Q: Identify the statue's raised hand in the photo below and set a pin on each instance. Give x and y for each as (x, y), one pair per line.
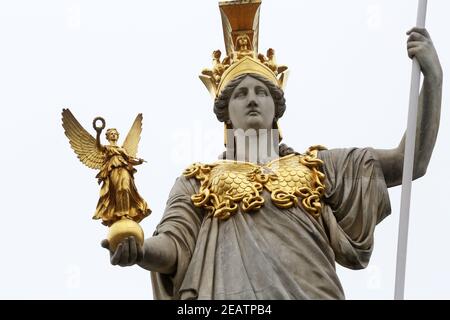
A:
(127, 253)
(422, 48)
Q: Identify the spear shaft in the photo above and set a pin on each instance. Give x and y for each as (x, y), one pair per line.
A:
(408, 166)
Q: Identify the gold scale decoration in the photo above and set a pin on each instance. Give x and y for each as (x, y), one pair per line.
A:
(292, 180)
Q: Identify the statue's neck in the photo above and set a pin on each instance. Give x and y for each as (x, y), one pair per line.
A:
(251, 146)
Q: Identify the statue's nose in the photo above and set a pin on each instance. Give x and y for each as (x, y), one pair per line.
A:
(252, 103)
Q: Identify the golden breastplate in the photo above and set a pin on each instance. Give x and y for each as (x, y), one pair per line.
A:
(291, 180)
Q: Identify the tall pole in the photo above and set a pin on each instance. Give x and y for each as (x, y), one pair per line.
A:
(408, 166)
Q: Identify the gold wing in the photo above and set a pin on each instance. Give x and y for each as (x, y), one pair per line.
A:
(134, 135)
(83, 143)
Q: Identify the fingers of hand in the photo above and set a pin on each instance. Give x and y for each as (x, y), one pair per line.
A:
(133, 251)
(422, 31)
(418, 44)
(127, 253)
(140, 253)
(413, 52)
(415, 36)
(116, 257)
(419, 48)
(105, 243)
(414, 48)
(124, 259)
(414, 44)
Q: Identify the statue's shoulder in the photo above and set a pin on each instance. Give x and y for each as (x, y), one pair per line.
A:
(315, 149)
(309, 157)
(195, 169)
(200, 171)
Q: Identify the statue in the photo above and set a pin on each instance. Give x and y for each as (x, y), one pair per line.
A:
(218, 67)
(271, 62)
(120, 206)
(243, 47)
(262, 225)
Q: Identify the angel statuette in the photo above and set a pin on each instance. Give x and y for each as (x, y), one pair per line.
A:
(120, 206)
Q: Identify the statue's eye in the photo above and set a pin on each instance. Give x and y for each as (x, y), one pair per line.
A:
(240, 94)
(261, 92)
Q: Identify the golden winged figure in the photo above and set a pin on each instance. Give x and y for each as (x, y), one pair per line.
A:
(119, 199)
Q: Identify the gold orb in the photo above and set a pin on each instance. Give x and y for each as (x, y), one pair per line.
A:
(122, 229)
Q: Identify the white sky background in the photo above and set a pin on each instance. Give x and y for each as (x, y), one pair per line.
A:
(349, 86)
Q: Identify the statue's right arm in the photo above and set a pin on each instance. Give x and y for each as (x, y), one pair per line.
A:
(98, 143)
(158, 254)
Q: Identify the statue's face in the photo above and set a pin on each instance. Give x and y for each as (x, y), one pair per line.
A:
(242, 41)
(113, 135)
(251, 106)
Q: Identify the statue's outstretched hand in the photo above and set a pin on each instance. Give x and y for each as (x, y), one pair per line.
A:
(421, 47)
(127, 253)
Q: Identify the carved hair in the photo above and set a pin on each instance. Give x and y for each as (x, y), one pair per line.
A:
(108, 132)
(222, 101)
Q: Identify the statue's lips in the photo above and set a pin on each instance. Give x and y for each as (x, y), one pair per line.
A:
(253, 112)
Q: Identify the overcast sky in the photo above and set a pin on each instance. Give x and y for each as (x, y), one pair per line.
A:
(349, 86)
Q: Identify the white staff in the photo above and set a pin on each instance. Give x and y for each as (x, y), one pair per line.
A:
(408, 166)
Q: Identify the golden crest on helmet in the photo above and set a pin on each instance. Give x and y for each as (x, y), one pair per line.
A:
(240, 23)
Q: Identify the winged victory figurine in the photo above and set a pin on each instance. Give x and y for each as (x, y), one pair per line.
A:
(120, 206)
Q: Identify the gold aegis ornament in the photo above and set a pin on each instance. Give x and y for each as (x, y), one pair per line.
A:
(120, 206)
(240, 23)
(226, 186)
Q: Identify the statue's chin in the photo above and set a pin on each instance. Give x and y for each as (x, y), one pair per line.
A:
(255, 127)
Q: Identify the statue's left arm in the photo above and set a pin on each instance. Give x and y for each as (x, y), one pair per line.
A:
(420, 47)
(135, 161)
